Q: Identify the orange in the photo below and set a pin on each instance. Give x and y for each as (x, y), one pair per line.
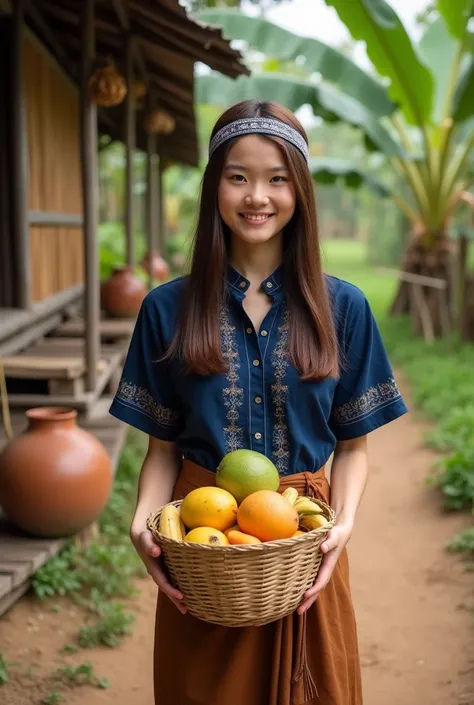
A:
(209, 506)
(239, 538)
(268, 516)
(298, 533)
(207, 535)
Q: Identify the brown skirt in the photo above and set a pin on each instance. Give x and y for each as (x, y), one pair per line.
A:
(310, 660)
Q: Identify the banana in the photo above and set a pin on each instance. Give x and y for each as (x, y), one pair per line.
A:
(314, 521)
(291, 495)
(306, 506)
(171, 525)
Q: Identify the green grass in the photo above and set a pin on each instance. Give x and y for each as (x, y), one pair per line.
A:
(441, 378)
(347, 259)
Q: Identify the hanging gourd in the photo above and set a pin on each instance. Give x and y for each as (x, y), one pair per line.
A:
(158, 121)
(139, 89)
(107, 87)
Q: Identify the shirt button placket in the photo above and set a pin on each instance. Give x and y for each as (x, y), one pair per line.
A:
(258, 413)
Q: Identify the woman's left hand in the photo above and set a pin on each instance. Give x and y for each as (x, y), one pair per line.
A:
(332, 548)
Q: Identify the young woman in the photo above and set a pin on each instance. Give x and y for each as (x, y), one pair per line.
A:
(258, 349)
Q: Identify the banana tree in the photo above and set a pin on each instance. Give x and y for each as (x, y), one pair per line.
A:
(416, 109)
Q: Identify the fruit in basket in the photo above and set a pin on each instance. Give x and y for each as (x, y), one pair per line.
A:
(313, 521)
(298, 533)
(234, 527)
(170, 523)
(306, 506)
(207, 535)
(209, 506)
(268, 516)
(238, 538)
(291, 495)
(242, 472)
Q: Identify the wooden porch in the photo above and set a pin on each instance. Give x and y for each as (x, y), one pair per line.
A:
(57, 347)
(22, 555)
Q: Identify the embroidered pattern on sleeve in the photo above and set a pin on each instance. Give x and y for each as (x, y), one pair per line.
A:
(233, 394)
(372, 399)
(141, 399)
(279, 391)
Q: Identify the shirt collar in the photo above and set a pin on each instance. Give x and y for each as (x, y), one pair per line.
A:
(239, 283)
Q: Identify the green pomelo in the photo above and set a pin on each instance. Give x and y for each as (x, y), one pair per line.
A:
(242, 472)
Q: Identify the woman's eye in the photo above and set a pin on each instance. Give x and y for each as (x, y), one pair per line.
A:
(237, 177)
(279, 179)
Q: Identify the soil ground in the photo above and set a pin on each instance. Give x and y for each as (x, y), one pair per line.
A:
(414, 602)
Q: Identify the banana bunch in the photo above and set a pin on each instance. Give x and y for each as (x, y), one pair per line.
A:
(309, 512)
(171, 525)
(291, 495)
(313, 521)
(303, 505)
(306, 507)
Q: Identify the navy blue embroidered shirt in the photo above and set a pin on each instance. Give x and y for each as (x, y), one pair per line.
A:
(260, 402)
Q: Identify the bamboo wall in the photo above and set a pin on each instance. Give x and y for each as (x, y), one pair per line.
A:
(52, 109)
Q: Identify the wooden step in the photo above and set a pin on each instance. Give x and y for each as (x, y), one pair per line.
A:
(110, 328)
(27, 366)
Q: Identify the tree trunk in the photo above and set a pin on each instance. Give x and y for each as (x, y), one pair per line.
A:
(467, 310)
(435, 262)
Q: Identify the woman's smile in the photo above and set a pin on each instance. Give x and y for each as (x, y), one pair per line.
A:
(256, 219)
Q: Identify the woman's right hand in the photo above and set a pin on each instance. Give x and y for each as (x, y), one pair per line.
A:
(149, 551)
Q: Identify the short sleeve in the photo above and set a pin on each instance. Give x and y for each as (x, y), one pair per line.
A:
(366, 396)
(145, 398)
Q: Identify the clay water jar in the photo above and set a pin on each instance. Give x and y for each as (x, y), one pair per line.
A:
(159, 266)
(55, 478)
(123, 293)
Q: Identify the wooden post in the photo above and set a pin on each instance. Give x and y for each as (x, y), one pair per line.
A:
(21, 238)
(90, 189)
(421, 309)
(160, 207)
(461, 262)
(129, 154)
(150, 204)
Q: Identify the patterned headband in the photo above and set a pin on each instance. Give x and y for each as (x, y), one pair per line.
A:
(259, 125)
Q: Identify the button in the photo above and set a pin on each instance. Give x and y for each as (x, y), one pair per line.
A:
(258, 400)
(264, 333)
(256, 363)
(242, 285)
(269, 285)
(258, 436)
(249, 330)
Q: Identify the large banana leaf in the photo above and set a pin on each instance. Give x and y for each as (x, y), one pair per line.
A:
(331, 105)
(463, 104)
(439, 48)
(456, 14)
(392, 53)
(279, 43)
(328, 170)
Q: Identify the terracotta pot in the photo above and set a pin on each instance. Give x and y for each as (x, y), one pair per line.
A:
(55, 478)
(179, 261)
(159, 266)
(123, 293)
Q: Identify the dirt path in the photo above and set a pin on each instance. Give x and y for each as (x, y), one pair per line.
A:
(413, 602)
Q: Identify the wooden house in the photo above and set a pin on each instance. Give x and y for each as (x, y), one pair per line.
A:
(56, 348)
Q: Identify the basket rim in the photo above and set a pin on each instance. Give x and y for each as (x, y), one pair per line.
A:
(264, 546)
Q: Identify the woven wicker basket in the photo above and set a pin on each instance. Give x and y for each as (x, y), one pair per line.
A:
(244, 585)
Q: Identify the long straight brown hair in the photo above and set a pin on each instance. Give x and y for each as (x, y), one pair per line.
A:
(313, 347)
